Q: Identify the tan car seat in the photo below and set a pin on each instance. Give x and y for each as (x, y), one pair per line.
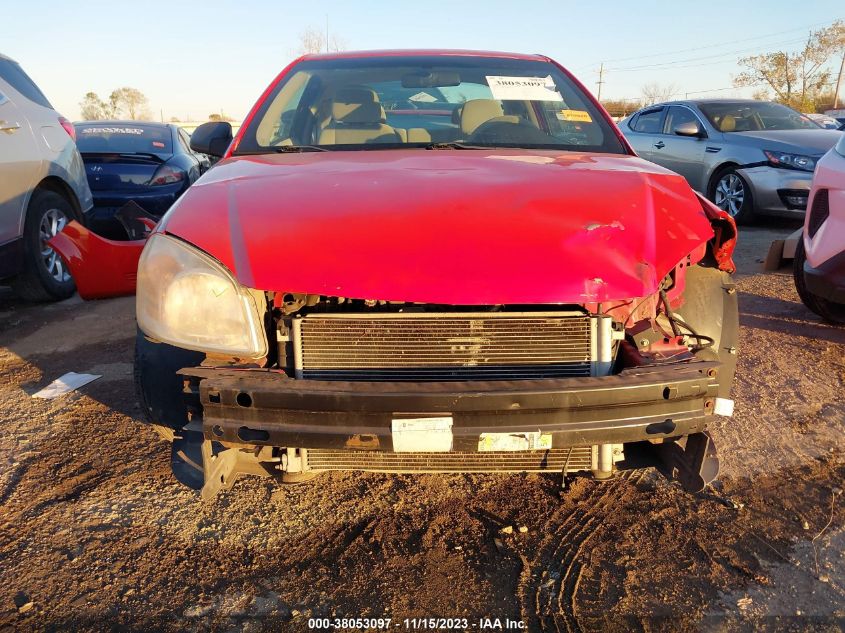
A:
(479, 111)
(727, 124)
(357, 117)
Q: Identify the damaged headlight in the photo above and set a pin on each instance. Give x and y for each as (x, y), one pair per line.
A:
(790, 161)
(187, 299)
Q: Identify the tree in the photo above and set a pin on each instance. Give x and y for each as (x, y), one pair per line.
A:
(95, 109)
(214, 116)
(313, 40)
(655, 93)
(798, 78)
(620, 107)
(131, 101)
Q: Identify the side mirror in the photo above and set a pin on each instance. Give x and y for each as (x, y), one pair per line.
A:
(687, 128)
(212, 138)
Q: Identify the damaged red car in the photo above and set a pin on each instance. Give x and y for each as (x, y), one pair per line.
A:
(433, 261)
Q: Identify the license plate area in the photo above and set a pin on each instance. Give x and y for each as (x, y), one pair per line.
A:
(430, 434)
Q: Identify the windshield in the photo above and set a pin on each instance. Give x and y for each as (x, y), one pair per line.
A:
(750, 116)
(395, 102)
(123, 138)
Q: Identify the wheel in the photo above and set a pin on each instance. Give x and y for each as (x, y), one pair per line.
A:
(829, 311)
(731, 193)
(45, 276)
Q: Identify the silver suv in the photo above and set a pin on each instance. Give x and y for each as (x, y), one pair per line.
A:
(42, 187)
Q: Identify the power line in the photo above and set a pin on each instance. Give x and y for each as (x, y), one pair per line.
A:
(694, 59)
(711, 46)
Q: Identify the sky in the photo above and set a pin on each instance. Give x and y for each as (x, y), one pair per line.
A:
(194, 58)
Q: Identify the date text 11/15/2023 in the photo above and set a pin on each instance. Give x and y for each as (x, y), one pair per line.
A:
(417, 624)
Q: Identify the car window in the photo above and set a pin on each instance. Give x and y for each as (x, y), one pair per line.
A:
(398, 101)
(678, 115)
(14, 75)
(185, 140)
(648, 122)
(123, 138)
(748, 116)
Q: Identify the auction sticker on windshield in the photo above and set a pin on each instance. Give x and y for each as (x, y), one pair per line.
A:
(578, 116)
(523, 88)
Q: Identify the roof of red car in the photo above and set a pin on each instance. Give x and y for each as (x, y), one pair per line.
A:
(422, 53)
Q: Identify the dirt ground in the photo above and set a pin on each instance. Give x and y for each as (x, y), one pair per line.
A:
(96, 534)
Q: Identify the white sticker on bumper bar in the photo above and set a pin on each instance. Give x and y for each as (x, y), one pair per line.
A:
(489, 442)
(422, 435)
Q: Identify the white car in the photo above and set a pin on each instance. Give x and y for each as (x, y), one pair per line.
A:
(819, 267)
(42, 187)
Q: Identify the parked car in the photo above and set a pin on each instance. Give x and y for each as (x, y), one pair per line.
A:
(823, 121)
(819, 264)
(522, 294)
(42, 186)
(839, 115)
(751, 158)
(150, 164)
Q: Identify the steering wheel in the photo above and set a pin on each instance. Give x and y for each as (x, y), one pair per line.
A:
(498, 131)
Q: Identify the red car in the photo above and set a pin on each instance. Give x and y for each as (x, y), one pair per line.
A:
(430, 261)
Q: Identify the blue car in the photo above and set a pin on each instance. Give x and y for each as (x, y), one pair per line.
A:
(150, 164)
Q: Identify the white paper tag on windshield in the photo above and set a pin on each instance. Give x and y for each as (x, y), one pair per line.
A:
(523, 88)
(422, 435)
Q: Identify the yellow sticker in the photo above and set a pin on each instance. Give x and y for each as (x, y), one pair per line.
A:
(581, 116)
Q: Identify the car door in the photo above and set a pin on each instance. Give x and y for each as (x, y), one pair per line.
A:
(644, 130)
(682, 154)
(20, 163)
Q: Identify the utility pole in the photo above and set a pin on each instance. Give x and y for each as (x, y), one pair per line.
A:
(838, 83)
(327, 32)
(601, 81)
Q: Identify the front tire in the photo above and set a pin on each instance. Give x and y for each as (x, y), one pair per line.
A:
(45, 276)
(730, 192)
(829, 311)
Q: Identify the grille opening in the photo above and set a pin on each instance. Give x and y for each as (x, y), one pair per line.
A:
(819, 212)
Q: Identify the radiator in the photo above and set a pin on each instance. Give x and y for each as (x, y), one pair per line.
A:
(429, 346)
(554, 460)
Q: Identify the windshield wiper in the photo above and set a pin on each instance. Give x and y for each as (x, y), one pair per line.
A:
(283, 149)
(454, 145)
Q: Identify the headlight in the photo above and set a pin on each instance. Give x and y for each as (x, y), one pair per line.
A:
(187, 299)
(790, 161)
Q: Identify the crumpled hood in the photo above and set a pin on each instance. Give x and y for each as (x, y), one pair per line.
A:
(467, 227)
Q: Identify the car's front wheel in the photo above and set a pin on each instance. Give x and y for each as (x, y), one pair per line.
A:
(730, 192)
(45, 276)
(829, 311)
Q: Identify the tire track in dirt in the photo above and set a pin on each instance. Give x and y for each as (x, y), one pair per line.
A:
(548, 601)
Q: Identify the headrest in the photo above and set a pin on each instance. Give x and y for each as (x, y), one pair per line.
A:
(357, 104)
(368, 113)
(727, 124)
(356, 94)
(477, 111)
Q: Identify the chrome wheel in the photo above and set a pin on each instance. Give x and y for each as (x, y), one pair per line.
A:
(52, 222)
(730, 194)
